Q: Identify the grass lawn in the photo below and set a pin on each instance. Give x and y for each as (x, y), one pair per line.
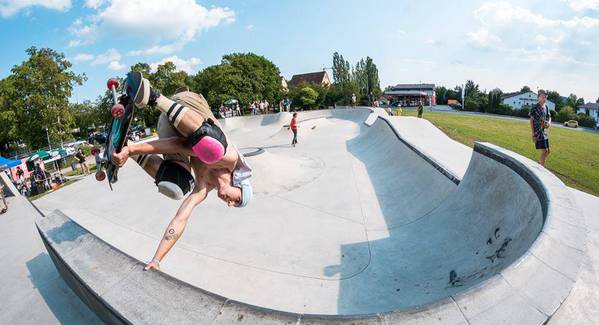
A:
(67, 183)
(574, 154)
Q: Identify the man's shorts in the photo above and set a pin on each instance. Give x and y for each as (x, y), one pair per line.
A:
(193, 101)
(542, 144)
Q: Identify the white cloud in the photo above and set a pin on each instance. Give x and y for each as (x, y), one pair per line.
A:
(94, 4)
(504, 13)
(585, 43)
(189, 65)
(11, 7)
(174, 21)
(83, 57)
(116, 65)
(158, 49)
(250, 28)
(84, 33)
(109, 56)
(482, 39)
(580, 5)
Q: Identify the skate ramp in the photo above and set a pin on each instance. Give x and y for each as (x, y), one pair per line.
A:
(353, 222)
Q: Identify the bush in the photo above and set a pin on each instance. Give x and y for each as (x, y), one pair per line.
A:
(522, 112)
(503, 109)
(566, 114)
(586, 121)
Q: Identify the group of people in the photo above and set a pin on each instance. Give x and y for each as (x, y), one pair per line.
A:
(259, 107)
(225, 111)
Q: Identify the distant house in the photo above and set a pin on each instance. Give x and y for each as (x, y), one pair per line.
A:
(412, 94)
(284, 84)
(590, 109)
(321, 77)
(519, 100)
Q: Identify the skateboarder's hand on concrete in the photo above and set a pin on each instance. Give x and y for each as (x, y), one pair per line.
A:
(152, 265)
(120, 158)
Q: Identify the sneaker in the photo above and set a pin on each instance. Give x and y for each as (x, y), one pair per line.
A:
(170, 190)
(147, 95)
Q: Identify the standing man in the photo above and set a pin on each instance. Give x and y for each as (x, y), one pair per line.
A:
(540, 121)
(420, 110)
(353, 100)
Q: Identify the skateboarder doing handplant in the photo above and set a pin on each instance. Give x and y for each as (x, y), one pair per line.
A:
(203, 151)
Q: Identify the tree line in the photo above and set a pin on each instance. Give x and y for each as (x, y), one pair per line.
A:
(35, 107)
(491, 102)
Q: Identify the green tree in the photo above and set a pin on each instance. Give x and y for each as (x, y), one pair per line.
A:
(555, 97)
(308, 97)
(341, 71)
(441, 93)
(572, 100)
(494, 100)
(243, 76)
(525, 89)
(37, 92)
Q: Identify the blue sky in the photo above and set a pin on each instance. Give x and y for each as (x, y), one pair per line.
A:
(506, 44)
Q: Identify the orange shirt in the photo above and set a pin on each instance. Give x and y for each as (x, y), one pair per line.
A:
(293, 124)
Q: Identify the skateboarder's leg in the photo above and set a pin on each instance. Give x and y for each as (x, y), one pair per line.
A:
(172, 174)
(197, 125)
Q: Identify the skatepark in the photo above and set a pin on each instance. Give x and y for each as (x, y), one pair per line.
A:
(371, 219)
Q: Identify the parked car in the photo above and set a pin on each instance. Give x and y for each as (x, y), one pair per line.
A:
(571, 124)
(97, 137)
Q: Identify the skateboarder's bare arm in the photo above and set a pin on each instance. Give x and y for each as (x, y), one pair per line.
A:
(177, 225)
(160, 146)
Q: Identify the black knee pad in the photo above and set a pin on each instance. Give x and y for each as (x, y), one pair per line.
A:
(173, 180)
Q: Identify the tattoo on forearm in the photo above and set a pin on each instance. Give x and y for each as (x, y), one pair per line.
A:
(171, 234)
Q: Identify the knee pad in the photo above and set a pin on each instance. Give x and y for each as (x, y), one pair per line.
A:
(208, 142)
(173, 180)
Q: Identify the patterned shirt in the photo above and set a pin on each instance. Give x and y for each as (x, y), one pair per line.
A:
(540, 116)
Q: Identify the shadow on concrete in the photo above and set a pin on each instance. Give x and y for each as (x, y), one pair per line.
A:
(60, 299)
(431, 242)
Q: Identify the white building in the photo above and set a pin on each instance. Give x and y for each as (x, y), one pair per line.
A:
(521, 99)
(590, 109)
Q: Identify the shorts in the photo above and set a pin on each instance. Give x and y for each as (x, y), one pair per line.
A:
(542, 144)
(193, 101)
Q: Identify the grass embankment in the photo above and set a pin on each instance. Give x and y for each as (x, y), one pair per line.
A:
(574, 154)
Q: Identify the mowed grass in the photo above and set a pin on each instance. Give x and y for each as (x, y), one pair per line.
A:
(574, 154)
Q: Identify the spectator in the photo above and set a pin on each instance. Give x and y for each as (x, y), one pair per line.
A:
(96, 153)
(20, 174)
(353, 100)
(420, 110)
(5, 205)
(81, 158)
(540, 121)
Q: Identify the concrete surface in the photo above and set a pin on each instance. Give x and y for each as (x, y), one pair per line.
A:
(356, 219)
(32, 291)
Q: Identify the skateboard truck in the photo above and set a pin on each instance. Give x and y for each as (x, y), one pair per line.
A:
(118, 110)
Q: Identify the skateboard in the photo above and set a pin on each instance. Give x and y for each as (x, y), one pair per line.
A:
(122, 111)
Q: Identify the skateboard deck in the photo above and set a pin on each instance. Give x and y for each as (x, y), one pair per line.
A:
(123, 111)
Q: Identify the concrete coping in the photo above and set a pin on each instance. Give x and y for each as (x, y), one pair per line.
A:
(530, 290)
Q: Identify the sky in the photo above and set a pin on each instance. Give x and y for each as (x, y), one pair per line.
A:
(551, 44)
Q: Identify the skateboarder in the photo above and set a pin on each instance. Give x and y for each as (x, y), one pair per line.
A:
(293, 127)
(228, 173)
(540, 121)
